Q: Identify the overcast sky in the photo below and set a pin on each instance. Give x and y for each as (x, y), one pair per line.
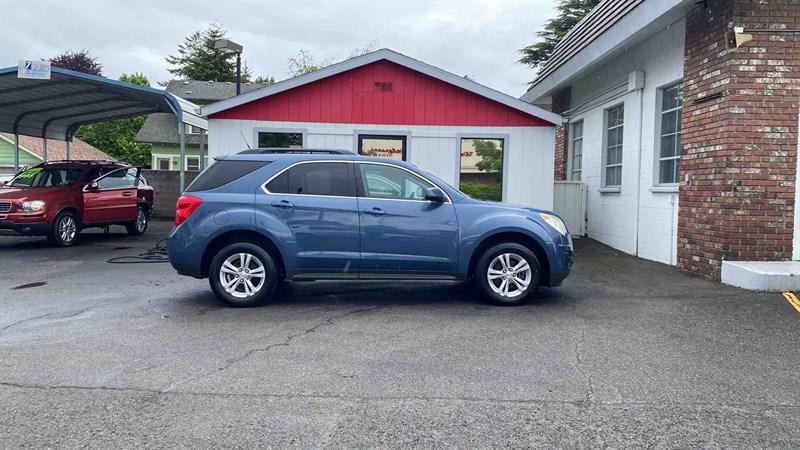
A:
(475, 38)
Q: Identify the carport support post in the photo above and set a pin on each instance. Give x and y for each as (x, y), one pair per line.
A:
(16, 152)
(202, 149)
(44, 147)
(69, 148)
(182, 135)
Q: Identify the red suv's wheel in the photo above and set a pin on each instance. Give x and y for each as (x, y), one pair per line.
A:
(64, 231)
(139, 226)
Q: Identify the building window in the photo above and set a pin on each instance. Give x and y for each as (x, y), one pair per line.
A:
(392, 147)
(163, 163)
(193, 163)
(481, 172)
(615, 118)
(670, 134)
(195, 130)
(279, 140)
(577, 151)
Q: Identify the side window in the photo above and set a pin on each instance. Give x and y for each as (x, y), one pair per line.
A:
(379, 181)
(119, 179)
(334, 178)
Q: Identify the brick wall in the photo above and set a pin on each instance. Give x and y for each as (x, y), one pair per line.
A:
(739, 135)
(560, 170)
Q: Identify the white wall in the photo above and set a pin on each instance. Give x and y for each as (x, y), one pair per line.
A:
(649, 230)
(529, 151)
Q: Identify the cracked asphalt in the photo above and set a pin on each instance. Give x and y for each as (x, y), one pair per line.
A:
(627, 353)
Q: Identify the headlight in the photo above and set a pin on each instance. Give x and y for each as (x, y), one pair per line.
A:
(555, 222)
(32, 206)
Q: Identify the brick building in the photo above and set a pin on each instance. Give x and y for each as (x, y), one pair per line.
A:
(687, 142)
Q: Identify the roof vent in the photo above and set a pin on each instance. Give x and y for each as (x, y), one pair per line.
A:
(383, 86)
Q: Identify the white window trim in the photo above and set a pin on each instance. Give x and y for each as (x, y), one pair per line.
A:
(571, 149)
(488, 136)
(303, 132)
(186, 163)
(157, 156)
(614, 188)
(657, 185)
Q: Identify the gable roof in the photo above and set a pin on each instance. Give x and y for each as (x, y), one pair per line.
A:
(202, 92)
(397, 58)
(57, 149)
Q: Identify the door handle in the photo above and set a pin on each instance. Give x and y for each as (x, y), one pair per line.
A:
(375, 212)
(283, 204)
(127, 194)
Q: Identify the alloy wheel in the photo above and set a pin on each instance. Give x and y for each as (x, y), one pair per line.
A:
(141, 221)
(509, 275)
(242, 275)
(67, 229)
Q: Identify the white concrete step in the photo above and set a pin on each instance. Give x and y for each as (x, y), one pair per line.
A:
(762, 275)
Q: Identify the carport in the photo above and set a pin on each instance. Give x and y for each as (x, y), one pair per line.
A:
(54, 107)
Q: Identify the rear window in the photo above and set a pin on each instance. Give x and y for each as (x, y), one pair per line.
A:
(223, 172)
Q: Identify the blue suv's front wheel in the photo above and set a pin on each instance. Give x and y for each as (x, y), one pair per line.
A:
(243, 274)
(508, 273)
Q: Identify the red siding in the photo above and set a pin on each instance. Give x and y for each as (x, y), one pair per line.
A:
(352, 97)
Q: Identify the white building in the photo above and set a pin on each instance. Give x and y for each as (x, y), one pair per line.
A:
(390, 105)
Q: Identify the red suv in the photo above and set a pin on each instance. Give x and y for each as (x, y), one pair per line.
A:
(59, 199)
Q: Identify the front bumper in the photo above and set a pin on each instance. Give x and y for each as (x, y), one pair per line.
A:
(560, 270)
(25, 228)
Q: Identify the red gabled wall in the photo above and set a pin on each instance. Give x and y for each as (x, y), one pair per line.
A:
(355, 97)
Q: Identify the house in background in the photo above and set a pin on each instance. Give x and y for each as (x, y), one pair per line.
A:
(385, 104)
(31, 151)
(161, 130)
(687, 142)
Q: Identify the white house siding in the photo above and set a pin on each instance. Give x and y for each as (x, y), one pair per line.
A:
(649, 231)
(529, 151)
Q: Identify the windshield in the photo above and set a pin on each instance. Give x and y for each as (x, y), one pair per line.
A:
(46, 177)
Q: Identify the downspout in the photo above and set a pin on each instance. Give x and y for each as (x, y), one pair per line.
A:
(636, 81)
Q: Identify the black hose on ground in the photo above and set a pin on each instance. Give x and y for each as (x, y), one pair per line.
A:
(157, 254)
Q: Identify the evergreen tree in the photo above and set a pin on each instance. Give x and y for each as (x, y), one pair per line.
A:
(197, 59)
(569, 13)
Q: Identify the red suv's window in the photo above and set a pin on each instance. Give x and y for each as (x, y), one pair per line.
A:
(46, 177)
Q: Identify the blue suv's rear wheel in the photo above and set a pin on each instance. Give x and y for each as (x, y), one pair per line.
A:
(508, 274)
(243, 274)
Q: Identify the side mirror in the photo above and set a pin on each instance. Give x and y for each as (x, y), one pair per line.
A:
(435, 195)
(92, 186)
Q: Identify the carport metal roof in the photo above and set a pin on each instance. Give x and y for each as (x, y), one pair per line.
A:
(55, 108)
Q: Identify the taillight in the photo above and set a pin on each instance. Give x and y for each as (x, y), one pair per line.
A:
(187, 204)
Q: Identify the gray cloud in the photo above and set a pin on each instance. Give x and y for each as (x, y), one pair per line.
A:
(475, 38)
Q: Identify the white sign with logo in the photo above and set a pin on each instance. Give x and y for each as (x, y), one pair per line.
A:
(34, 70)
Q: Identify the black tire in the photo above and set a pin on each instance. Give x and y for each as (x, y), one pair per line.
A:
(517, 295)
(137, 228)
(241, 299)
(65, 229)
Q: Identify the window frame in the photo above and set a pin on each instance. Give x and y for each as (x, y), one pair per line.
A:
(657, 136)
(158, 159)
(506, 138)
(186, 166)
(571, 150)
(378, 134)
(286, 169)
(605, 166)
(105, 175)
(301, 131)
(355, 179)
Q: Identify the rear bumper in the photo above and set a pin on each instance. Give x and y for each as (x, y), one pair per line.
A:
(25, 228)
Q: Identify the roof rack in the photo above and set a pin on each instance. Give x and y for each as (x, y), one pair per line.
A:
(295, 151)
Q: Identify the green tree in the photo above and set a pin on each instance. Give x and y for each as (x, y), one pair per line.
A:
(117, 137)
(265, 80)
(491, 157)
(568, 13)
(197, 59)
(80, 61)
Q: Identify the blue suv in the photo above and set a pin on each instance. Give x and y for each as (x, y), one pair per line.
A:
(255, 218)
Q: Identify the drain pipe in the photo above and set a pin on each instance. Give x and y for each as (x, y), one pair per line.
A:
(636, 82)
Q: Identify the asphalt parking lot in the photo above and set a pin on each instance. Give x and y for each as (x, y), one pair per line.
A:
(627, 353)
